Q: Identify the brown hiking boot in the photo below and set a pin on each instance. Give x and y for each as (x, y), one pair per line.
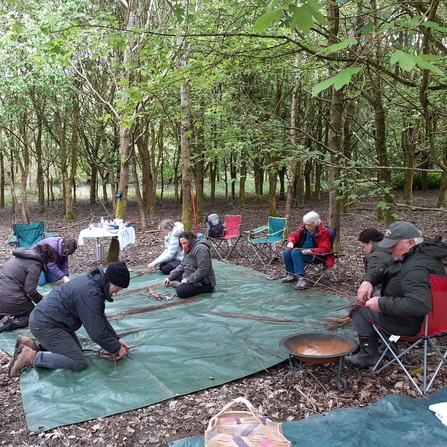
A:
(23, 358)
(30, 342)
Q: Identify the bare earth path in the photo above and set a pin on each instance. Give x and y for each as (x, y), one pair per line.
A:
(314, 392)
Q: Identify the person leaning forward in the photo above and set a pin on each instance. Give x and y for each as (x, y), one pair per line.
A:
(405, 296)
(53, 322)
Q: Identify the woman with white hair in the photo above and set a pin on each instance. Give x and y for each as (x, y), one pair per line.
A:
(171, 256)
(303, 247)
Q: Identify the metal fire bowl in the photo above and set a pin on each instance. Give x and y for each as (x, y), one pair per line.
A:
(318, 348)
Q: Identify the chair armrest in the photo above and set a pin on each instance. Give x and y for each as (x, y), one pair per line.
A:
(12, 240)
(276, 232)
(259, 229)
(231, 228)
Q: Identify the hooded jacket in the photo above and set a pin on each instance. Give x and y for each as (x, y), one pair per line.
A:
(18, 282)
(196, 264)
(405, 295)
(60, 267)
(377, 256)
(80, 302)
(322, 241)
(171, 246)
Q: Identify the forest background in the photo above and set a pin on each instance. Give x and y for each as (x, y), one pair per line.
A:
(140, 99)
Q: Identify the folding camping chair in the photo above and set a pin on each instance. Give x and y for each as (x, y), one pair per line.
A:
(435, 323)
(266, 248)
(226, 245)
(27, 235)
(321, 269)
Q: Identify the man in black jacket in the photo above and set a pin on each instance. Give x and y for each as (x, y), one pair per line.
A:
(405, 294)
(55, 320)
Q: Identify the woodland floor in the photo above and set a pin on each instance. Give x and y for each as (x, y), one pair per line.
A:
(313, 392)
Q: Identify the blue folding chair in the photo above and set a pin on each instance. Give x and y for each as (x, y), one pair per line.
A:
(268, 248)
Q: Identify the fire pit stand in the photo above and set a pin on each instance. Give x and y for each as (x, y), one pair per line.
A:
(297, 365)
(318, 348)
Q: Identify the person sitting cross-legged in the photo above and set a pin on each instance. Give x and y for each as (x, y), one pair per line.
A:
(303, 246)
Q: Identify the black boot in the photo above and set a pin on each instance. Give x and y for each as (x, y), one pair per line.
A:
(369, 352)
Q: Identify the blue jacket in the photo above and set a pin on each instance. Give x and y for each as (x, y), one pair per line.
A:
(80, 302)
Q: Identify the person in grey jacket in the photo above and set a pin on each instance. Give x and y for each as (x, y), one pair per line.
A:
(171, 256)
(195, 274)
(58, 270)
(55, 320)
(18, 285)
(405, 294)
(375, 254)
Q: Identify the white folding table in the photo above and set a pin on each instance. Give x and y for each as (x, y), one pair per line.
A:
(125, 236)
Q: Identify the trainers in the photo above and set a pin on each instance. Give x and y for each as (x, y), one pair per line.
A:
(288, 278)
(5, 322)
(23, 359)
(301, 284)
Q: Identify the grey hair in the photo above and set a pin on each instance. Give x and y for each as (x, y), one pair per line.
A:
(417, 240)
(313, 217)
(166, 224)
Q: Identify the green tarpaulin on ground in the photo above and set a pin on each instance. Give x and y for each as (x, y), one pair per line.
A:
(183, 346)
(393, 421)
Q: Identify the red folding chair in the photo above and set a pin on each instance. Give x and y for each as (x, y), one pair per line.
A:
(226, 245)
(435, 323)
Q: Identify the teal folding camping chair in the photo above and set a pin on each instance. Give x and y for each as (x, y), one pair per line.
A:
(27, 235)
(267, 248)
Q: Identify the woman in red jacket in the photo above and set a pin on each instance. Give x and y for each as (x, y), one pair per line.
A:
(303, 247)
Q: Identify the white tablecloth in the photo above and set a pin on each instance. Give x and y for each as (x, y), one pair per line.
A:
(125, 236)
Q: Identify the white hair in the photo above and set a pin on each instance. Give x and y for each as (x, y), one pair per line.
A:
(417, 240)
(312, 217)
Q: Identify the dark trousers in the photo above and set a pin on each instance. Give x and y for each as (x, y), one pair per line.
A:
(167, 267)
(188, 290)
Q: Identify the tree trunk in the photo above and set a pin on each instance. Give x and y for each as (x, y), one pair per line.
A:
(335, 132)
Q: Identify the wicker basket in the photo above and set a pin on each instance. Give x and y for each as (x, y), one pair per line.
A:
(236, 428)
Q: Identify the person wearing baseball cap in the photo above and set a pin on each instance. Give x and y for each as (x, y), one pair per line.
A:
(55, 320)
(405, 295)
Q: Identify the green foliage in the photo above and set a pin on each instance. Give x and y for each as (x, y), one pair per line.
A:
(433, 181)
(340, 80)
(303, 16)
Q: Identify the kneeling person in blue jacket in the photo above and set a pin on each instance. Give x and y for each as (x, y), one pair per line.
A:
(55, 320)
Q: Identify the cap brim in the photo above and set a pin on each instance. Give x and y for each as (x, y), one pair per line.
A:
(387, 243)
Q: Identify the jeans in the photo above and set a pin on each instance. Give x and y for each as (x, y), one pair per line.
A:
(46, 277)
(57, 348)
(294, 261)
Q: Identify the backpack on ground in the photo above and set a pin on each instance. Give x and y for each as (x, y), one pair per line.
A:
(214, 226)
